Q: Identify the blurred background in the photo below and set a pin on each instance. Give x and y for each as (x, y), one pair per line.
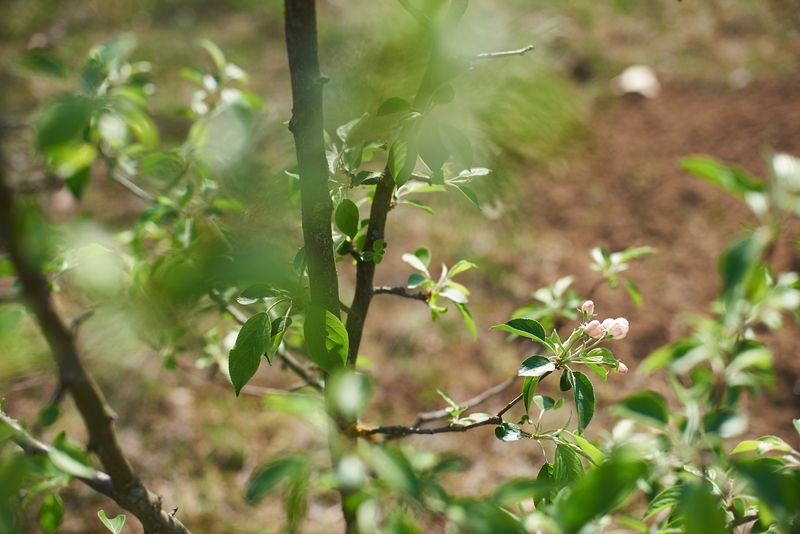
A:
(580, 158)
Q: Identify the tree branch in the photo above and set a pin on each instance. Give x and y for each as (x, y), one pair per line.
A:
(468, 404)
(306, 126)
(98, 417)
(101, 482)
(399, 431)
(400, 292)
(494, 55)
(365, 270)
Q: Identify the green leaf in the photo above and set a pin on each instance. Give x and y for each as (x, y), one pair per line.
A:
(523, 327)
(333, 355)
(567, 380)
(763, 445)
(393, 105)
(509, 432)
(395, 470)
(732, 179)
(521, 489)
(402, 159)
(114, 525)
(777, 487)
(666, 499)
(270, 475)
(41, 61)
(214, 52)
(62, 121)
(648, 407)
(528, 390)
(457, 144)
(567, 466)
(416, 279)
(702, 511)
(796, 423)
(347, 217)
(245, 357)
(69, 465)
(49, 415)
(468, 320)
(460, 267)
(739, 261)
(633, 291)
(536, 366)
(51, 514)
(584, 400)
(594, 454)
(600, 491)
(470, 194)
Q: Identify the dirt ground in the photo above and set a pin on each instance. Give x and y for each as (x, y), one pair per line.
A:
(621, 186)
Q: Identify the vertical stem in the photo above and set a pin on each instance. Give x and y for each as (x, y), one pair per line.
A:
(365, 270)
(306, 126)
(315, 202)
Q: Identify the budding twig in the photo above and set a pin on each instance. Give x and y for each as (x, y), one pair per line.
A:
(399, 431)
(494, 55)
(424, 417)
(400, 292)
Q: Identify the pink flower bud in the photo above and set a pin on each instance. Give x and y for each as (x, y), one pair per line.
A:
(587, 308)
(622, 369)
(595, 329)
(618, 327)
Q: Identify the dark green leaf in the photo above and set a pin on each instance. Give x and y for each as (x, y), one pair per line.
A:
(776, 486)
(334, 354)
(567, 380)
(393, 105)
(51, 514)
(347, 217)
(600, 490)
(77, 182)
(41, 61)
(536, 366)
(270, 475)
(49, 415)
(510, 432)
(702, 511)
(253, 340)
(647, 406)
(567, 467)
(633, 291)
(584, 400)
(739, 261)
(62, 121)
(523, 327)
(528, 390)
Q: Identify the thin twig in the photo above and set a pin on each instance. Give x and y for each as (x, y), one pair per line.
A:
(399, 431)
(100, 482)
(400, 292)
(468, 404)
(494, 55)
